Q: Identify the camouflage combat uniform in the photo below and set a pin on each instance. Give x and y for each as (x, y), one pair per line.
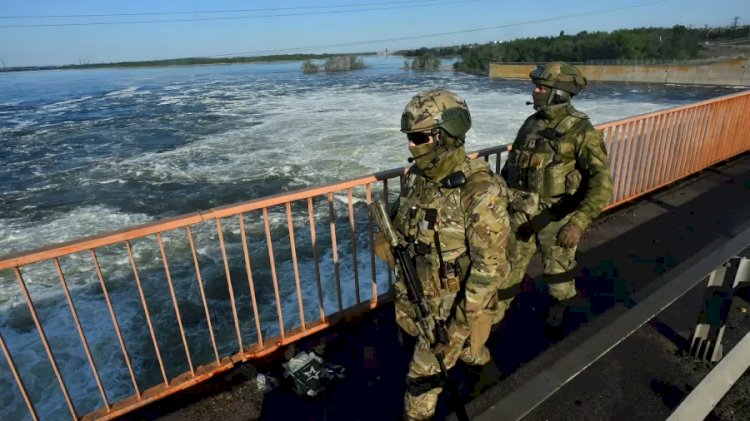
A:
(473, 229)
(456, 233)
(560, 158)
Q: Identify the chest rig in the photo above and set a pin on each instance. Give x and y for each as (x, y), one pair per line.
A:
(543, 158)
(430, 219)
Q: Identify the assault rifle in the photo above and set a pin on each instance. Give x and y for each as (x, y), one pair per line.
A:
(432, 330)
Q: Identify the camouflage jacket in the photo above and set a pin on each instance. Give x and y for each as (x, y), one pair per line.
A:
(564, 160)
(457, 237)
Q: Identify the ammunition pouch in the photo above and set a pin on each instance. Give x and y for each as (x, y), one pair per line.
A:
(450, 277)
(455, 272)
(536, 172)
(559, 180)
(573, 182)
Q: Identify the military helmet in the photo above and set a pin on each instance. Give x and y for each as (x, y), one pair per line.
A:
(559, 75)
(437, 108)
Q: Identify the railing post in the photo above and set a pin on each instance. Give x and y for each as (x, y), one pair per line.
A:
(706, 343)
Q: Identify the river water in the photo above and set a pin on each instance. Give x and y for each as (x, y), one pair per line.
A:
(89, 151)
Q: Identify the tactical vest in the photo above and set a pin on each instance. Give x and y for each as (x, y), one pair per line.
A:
(431, 221)
(543, 159)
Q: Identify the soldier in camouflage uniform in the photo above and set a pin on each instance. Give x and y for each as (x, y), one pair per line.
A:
(452, 215)
(559, 159)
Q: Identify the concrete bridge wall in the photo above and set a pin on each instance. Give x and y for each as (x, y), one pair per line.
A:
(731, 72)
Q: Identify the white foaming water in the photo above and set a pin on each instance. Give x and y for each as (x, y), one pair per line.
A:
(64, 105)
(124, 93)
(20, 234)
(186, 135)
(336, 132)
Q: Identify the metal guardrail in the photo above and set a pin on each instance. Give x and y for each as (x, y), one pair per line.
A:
(645, 153)
(675, 283)
(716, 384)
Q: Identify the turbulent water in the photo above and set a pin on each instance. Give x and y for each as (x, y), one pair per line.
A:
(89, 151)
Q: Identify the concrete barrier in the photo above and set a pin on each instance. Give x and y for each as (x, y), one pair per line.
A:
(730, 72)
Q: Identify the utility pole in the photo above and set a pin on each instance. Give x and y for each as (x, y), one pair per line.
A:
(734, 24)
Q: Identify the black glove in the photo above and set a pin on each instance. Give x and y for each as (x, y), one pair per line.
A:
(525, 231)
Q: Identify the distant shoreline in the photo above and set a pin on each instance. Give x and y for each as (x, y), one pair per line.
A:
(195, 61)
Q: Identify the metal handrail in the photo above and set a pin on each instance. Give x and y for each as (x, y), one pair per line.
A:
(646, 152)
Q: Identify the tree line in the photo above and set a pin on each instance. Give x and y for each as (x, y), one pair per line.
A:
(188, 61)
(676, 43)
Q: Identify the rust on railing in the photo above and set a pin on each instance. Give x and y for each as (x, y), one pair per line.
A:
(646, 152)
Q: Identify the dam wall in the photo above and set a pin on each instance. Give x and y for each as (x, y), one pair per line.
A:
(732, 72)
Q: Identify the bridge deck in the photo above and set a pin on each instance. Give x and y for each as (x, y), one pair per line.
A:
(622, 255)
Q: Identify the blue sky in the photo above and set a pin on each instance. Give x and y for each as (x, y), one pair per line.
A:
(295, 24)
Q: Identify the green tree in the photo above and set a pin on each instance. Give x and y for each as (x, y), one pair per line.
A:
(343, 63)
(425, 61)
(676, 43)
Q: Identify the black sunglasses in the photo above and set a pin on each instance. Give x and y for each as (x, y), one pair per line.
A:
(419, 138)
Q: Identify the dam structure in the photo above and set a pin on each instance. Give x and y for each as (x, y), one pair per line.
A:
(730, 72)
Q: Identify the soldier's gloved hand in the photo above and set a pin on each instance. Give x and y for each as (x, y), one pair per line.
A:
(569, 235)
(383, 250)
(444, 349)
(456, 339)
(525, 231)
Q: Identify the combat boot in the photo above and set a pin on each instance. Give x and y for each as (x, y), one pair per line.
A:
(556, 313)
(481, 377)
(562, 310)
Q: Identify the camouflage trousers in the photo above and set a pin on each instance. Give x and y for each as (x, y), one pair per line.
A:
(423, 388)
(556, 260)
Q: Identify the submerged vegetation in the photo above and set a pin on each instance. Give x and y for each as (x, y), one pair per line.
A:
(676, 43)
(426, 60)
(335, 64)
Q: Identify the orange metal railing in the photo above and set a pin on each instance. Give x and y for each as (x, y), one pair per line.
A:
(652, 150)
(645, 153)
